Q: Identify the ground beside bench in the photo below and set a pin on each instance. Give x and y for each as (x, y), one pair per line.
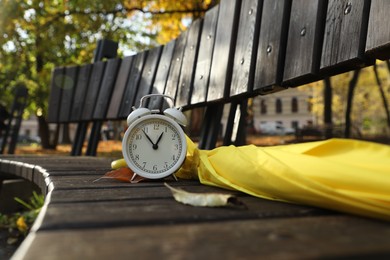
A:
(109, 219)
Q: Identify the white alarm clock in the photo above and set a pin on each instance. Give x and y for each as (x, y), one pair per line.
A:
(154, 145)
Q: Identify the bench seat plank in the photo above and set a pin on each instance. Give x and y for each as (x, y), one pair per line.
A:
(283, 238)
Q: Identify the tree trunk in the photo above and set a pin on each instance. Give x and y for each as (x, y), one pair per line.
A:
(328, 108)
(383, 95)
(351, 88)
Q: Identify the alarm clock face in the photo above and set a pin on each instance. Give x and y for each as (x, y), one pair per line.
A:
(154, 146)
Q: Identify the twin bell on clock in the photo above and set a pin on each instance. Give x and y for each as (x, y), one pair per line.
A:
(154, 145)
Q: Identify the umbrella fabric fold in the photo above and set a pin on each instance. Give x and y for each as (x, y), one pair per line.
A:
(340, 174)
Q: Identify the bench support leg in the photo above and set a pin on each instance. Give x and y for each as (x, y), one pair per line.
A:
(94, 138)
(211, 126)
(77, 146)
(235, 132)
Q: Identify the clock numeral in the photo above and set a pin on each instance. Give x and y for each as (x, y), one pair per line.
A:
(165, 165)
(166, 129)
(174, 157)
(134, 146)
(156, 126)
(146, 129)
(155, 168)
(176, 147)
(143, 165)
(138, 137)
(136, 157)
(173, 136)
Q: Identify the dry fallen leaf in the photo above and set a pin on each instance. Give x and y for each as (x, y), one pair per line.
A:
(123, 174)
(201, 199)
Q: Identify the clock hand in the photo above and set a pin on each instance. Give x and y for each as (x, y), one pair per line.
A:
(155, 146)
(150, 140)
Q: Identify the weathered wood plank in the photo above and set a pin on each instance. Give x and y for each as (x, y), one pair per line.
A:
(378, 35)
(93, 90)
(132, 84)
(225, 40)
(177, 60)
(57, 80)
(148, 74)
(345, 36)
(304, 43)
(68, 89)
(286, 238)
(80, 92)
(119, 88)
(203, 66)
(186, 80)
(272, 46)
(162, 74)
(149, 210)
(246, 47)
(106, 88)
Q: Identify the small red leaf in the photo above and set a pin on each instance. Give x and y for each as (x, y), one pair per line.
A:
(122, 174)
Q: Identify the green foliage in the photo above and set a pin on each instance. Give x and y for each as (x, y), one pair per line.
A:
(38, 35)
(18, 224)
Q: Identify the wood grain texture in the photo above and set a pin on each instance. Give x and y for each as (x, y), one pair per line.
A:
(223, 55)
(149, 73)
(275, 238)
(119, 88)
(378, 35)
(68, 89)
(304, 42)
(108, 83)
(128, 100)
(177, 60)
(80, 92)
(57, 80)
(272, 45)
(206, 48)
(93, 90)
(245, 52)
(162, 74)
(345, 36)
(185, 85)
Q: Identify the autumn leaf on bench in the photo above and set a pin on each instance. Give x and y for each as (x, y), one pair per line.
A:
(204, 199)
(123, 174)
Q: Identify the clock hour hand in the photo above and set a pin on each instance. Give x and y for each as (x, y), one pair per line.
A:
(150, 140)
(155, 146)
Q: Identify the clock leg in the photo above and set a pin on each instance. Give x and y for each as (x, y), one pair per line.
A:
(132, 178)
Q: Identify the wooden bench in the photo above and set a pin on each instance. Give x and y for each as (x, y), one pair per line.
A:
(239, 50)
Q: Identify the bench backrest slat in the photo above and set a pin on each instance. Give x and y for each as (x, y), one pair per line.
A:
(272, 45)
(344, 36)
(245, 53)
(93, 90)
(148, 73)
(106, 87)
(188, 66)
(68, 88)
(160, 80)
(222, 61)
(304, 42)
(177, 60)
(119, 88)
(57, 79)
(80, 92)
(378, 35)
(205, 54)
(132, 84)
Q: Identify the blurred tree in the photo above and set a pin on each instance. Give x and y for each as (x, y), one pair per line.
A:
(37, 35)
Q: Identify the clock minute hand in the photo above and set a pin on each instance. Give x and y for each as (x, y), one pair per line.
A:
(150, 140)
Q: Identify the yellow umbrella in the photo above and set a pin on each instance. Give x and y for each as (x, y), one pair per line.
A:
(341, 174)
